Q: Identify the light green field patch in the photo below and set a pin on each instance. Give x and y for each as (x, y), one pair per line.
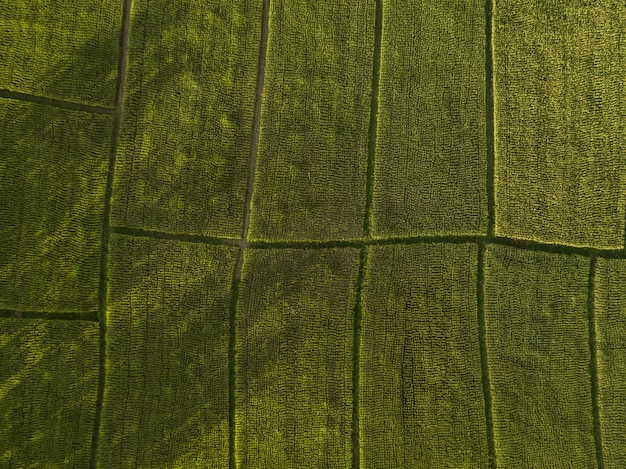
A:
(294, 358)
(48, 387)
(65, 49)
(186, 132)
(53, 165)
(560, 113)
(310, 181)
(166, 397)
(538, 354)
(610, 315)
(422, 404)
(430, 162)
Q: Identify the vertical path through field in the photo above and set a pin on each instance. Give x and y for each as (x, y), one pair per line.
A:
(254, 149)
(367, 224)
(106, 226)
(593, 361)
(491, 214)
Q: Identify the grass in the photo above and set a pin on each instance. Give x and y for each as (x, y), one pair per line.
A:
(537, 337)
(420, 360)
(51, 202)
(294, 358)
(43, 42)
(48, 383)
(559, 112)
(611, 358)
(187, 120)
(430, 161)
(166, 397)
(365, 234)
(312, 162)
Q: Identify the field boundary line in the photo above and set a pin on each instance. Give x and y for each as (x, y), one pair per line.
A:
(490, 118)
(484, 364)
(106, 225)
(60, 316)
(363, 244)
(245, 226)
(373, 124)
(593, 361)
(519, 243)
(200, 239)
(356, 360)
(60, 103)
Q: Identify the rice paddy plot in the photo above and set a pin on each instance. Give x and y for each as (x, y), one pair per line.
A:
(182, 164)
(312, 161)
(560, 113)
(430, 160)
(166, 395)
(610, 323)
(64, 49)
(294, 358)
(537, 341)
(422, 403)
(53, 171)
(48, 388)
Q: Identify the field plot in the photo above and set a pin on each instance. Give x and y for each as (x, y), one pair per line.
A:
(166, 397)
(64, 49)
(538, 354)
(610, 316)
(53, 167)
(430, 161)
(560, 169)
(186, 132)
(422, 404)
(311, 172)
(48, 387)
(294, 358)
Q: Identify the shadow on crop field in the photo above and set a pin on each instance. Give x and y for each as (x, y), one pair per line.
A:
(181, 166)
(48, 382)
(53, 170)
(186, 130)
(166, 394)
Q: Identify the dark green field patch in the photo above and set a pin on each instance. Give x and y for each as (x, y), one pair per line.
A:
(559, 113)
(166, 396)
(538, 355)
(187, 126)
(430, 161)
(421, 401)
(294, 358)
(53, 168)
(64, 49)
(310, 181)
(611, 345)
(48, 387)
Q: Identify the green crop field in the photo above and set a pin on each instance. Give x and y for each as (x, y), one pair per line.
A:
(301, 234)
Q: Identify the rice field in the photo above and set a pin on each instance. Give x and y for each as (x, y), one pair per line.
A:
(312, 234)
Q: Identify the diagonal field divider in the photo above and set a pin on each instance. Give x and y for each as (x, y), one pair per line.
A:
(106, 226)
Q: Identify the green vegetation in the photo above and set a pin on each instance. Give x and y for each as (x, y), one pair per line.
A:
(311, 172)
(53, 171)
(48, 381)
(166, 395)
(611, 345)
(430, 161)
(66, 49)
(294, 358)
(559, 103)
(356, 234)
(182, 163)
(421, 395)
(538, 353)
